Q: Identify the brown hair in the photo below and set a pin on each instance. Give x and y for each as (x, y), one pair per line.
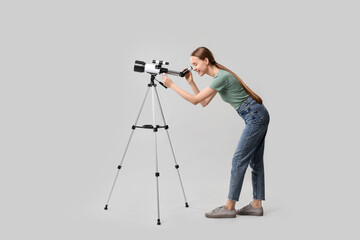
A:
(203, 52)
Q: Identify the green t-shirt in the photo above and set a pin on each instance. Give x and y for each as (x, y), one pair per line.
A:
(229, 88)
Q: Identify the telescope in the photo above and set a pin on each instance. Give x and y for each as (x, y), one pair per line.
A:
(156, 67)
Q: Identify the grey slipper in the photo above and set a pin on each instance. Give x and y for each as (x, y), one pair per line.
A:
(221, 212)
(250, 210)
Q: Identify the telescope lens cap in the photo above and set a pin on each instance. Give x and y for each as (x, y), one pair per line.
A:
(138, 68)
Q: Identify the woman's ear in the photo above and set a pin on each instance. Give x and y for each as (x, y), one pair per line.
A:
(206, 61)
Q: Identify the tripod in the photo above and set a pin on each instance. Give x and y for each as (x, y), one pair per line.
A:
(155, 128)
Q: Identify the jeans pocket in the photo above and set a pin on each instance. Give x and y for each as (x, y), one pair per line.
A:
(263, 116)
(259, 114)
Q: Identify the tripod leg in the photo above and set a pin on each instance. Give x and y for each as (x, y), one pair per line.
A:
(172, 149)
(157, 174)
(127, 146)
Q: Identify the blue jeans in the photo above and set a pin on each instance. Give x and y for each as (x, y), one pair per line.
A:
(250, 150)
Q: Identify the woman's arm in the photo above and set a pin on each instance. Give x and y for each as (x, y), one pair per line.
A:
(207, 93)
(196, 91)
(190, 79)
(201, 96)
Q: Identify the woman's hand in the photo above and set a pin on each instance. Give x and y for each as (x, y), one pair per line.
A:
(166, 80)
(189, 77)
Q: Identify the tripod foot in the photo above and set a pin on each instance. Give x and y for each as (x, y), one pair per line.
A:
(186, 204)
(158, 222)
(106, 207)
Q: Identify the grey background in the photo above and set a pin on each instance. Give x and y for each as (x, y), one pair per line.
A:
(69, 96)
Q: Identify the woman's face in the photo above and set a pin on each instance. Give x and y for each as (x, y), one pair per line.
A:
(199, 65)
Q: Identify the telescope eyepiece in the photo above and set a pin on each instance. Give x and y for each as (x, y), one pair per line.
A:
(186, 71)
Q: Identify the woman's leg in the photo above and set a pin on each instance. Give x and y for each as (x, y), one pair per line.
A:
(257, 174)
(240, 162)
(230, 204)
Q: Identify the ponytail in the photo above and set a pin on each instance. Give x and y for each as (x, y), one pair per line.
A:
(246, 88)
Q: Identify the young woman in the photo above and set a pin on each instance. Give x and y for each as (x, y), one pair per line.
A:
(250, 149)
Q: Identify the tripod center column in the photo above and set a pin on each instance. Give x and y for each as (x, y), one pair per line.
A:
(157, 174)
